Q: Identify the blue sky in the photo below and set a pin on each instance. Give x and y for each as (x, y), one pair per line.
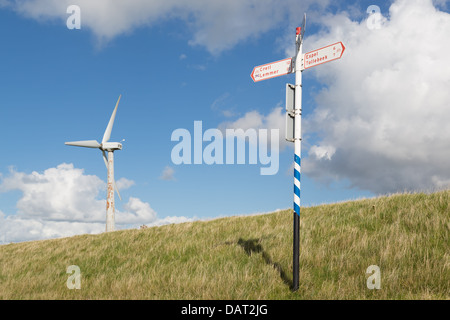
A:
(172, 69)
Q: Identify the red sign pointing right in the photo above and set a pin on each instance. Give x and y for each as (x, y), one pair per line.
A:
(322, 55)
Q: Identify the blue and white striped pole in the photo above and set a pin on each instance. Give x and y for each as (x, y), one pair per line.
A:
(297, 157)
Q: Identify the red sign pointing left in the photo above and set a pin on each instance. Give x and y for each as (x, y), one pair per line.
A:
(271, 70)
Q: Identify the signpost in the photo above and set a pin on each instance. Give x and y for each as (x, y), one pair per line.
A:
(322, 55)
(294, 113)
(271, 70)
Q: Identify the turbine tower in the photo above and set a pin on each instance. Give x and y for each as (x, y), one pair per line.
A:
(109, 147)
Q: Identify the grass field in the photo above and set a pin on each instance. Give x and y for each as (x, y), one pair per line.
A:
(406, 235)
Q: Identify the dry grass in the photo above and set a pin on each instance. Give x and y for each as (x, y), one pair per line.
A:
(406, 235)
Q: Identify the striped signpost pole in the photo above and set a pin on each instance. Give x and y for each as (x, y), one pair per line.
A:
(297, 155)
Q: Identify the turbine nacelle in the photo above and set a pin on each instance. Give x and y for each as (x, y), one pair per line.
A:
(111, 146)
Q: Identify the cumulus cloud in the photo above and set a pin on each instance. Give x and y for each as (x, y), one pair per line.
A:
(168, 174)
(136, 211)
(322, 152)
(216, 25)
(14, 228)
(61, 193)
(255, 120)
(383, 115)
(63, 201)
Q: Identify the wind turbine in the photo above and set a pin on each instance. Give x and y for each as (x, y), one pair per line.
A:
(109, 147)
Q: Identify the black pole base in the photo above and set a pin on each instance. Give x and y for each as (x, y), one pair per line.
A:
(296, 255)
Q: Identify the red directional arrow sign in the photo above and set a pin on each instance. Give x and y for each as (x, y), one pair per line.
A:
(322, 55)
(271, 70)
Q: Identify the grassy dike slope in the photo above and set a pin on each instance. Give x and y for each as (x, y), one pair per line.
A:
(406, 235)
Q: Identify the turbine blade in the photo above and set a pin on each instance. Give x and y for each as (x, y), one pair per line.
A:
(85, 143)
(105, 159)
(108, 130)
(117, 190)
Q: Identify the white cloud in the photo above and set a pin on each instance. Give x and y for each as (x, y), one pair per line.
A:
(383, 117)
(124, 183)
(63, 201)
(61, 193)
(16, 229)
(255, 120)
(168, 174)
(136, 211)
(322, 152)
(169, 220)
(216, 25)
